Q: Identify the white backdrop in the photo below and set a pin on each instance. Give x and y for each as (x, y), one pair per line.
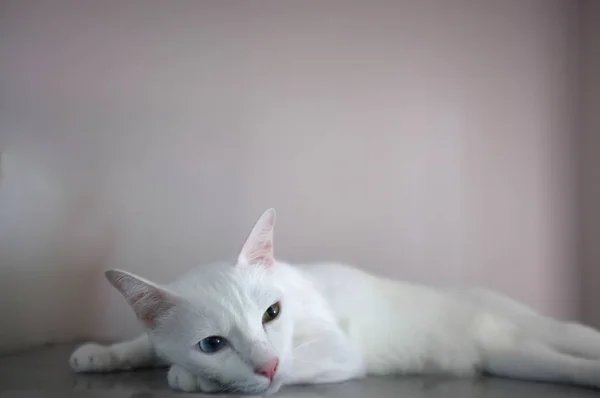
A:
(428, 140)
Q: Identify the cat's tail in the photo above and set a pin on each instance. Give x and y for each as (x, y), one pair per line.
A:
(571, 338)
(538, 348)
(534, 360)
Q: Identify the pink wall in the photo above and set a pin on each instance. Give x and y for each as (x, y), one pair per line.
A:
(428, 140)
(590, 157)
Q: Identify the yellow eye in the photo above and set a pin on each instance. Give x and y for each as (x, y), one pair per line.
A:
(271, 313)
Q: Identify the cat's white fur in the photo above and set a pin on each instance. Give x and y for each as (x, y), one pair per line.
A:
(336, 323)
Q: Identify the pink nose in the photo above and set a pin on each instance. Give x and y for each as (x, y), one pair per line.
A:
(268, 370)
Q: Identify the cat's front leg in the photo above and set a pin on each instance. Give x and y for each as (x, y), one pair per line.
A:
(127, 355)
(182, 380)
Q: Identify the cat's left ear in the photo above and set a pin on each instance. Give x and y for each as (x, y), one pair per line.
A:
(149, 301)
(258, 249)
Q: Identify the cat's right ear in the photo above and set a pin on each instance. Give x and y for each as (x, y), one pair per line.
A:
(149, 301)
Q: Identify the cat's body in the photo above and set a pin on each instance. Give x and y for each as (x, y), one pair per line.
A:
(335, 323)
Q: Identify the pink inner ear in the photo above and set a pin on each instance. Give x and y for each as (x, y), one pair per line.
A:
(149, 306)
(258, 249)
(149, 302)
(262, 253)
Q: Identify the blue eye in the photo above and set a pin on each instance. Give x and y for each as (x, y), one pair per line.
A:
(212, 344)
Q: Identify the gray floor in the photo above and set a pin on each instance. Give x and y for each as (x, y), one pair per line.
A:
(45, 373)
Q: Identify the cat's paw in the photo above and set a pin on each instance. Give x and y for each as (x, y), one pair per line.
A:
(92, 357)
(182, 380)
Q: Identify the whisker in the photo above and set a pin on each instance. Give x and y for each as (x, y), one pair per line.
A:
(307, 343)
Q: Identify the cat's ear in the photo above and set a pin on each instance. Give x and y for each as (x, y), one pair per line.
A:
(258, 249)
(149, 301)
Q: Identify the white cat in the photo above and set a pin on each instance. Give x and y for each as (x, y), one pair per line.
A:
(260, 324)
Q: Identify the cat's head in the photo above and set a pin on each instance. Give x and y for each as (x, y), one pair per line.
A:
(228, 322)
